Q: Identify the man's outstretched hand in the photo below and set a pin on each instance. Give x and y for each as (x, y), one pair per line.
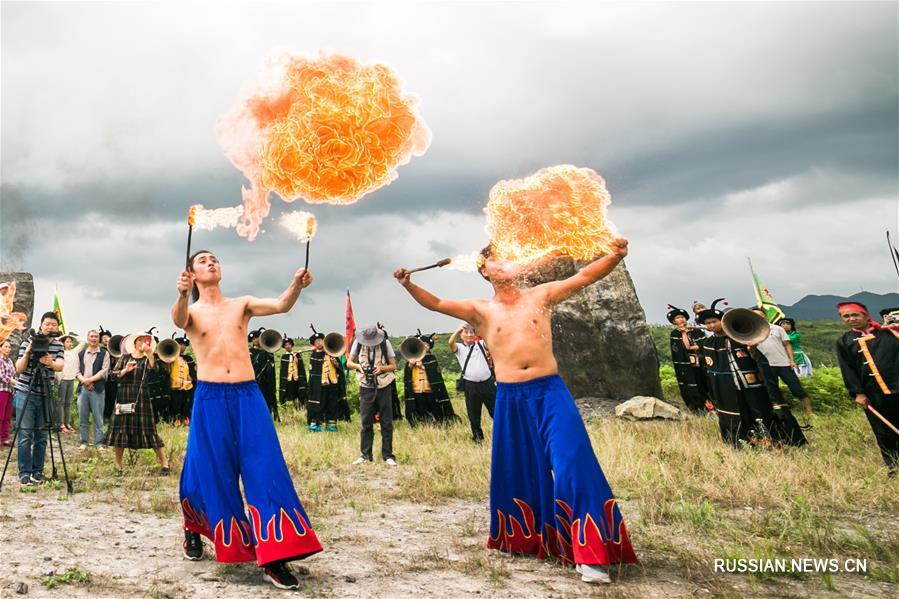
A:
(403, 276)
(619, 247)
(303, 278)
(185, 283)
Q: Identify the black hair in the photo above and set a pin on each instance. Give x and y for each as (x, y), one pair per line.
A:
(49, 315)
(195, 292)
(791, 321)
(483, 256)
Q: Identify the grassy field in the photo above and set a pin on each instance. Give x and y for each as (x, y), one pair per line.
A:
(686, 497)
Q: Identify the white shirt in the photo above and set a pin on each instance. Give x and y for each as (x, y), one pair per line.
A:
(773, 347)
(478, 369)
(70, 364)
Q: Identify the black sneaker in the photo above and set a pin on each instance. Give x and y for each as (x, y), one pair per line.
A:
(25, 480)
(193, 546)
(38, 478)
(280, 575)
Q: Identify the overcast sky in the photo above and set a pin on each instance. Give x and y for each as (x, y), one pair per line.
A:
(722, 130)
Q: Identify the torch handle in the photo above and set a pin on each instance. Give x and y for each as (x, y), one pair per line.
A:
(421, 268)
(438, 264)
(190, 232)
(306, 265)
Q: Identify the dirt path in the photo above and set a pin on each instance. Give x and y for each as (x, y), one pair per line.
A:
(129, 542)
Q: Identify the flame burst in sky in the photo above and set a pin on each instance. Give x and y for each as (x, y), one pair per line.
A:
(558, 209)
(327, 130)
(465, 262)
(210, 218)
(302, 224)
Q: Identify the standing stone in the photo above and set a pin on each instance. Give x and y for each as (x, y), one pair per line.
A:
(600, 336)
(23, 303)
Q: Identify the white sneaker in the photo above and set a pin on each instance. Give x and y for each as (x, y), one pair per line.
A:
(593, 574)
(390, 462)
(83, 446)
(358, 461)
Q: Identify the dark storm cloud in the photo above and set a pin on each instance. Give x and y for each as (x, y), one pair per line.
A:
(696, 115)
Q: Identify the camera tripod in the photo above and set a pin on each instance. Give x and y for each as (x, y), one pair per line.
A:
(42, 374)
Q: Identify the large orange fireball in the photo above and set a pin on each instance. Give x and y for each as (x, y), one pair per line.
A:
(327, 130)
(560, 209)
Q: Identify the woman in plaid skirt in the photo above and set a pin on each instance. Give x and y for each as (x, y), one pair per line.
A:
(133, 422)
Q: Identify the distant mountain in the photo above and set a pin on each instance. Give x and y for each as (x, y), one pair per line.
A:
(823, 307)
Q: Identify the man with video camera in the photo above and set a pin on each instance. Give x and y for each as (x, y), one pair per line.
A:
(39, 356)
(373, 359)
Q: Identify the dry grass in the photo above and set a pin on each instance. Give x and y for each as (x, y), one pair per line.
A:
(686, 497)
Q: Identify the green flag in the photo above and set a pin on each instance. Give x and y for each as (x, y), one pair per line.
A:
(763, 297)
(57, 308)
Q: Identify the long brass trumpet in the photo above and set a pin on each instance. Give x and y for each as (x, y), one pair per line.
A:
(168, 350)
(271, 340)
(413, 349)
(745, 326)
(115, 345)
(334, 344)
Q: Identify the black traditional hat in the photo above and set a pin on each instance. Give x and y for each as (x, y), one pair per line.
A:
(886, 311)
(712, 312)
(104, 331)
(429, 339)
(287, 339)
(255, 334)
(673, 311)
(315, 335)
(152, 334)
(182, 340)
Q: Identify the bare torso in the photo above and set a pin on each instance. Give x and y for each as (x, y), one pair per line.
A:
(519, 334)
(218, 335)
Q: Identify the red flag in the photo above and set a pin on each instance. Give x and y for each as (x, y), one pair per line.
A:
(350, 323)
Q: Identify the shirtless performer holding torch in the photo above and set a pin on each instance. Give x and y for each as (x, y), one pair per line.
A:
(232, 436)
(548, 493)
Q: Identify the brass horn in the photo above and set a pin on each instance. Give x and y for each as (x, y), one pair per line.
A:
(271, 340)
(413, 349)
(335, 344)
(168, 350)
(114, 345)
(745, 326)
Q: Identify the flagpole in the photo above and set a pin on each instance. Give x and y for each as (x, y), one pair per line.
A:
(755, 285)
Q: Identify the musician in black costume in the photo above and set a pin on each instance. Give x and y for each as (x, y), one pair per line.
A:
(158, 387)
(425, 390)
(292, 376)
(182, 376)
(744, 408)
(691, 378)
(868, 354)
(326, 378)
(264, 368)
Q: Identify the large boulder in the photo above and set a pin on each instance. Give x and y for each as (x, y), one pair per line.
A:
(600, 336)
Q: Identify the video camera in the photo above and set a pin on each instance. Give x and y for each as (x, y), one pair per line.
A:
(40, 344)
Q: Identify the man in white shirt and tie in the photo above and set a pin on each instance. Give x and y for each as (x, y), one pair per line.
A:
(477, 380)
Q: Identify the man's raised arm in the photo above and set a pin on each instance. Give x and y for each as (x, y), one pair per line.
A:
(284, 302)
(181, 309)
(559, 291)
(462, 309)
